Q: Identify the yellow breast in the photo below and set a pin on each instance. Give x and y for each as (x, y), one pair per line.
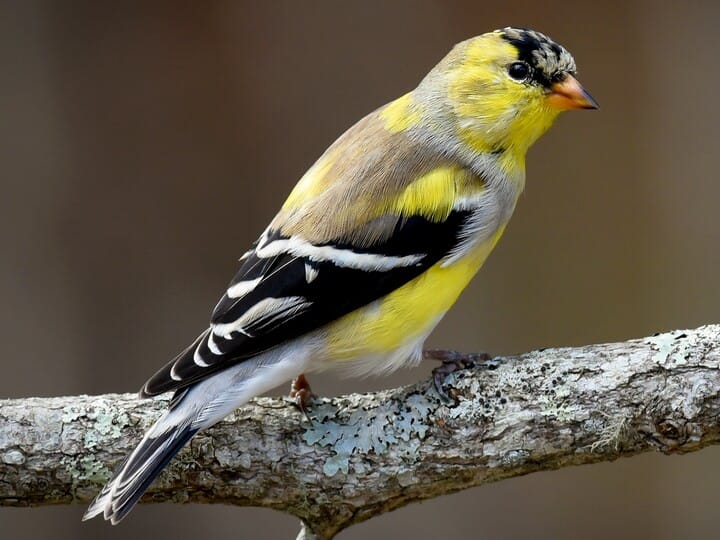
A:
(408, 313)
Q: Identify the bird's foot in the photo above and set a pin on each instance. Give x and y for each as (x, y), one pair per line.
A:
(302, 395)
(452, 361)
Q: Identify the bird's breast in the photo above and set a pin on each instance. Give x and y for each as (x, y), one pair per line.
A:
(401, 319)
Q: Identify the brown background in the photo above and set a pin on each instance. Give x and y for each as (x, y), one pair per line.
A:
(143, 148)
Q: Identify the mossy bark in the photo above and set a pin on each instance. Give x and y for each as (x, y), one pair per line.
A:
(362, 455)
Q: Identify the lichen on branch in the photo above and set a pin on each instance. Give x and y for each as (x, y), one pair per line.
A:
(362, 455)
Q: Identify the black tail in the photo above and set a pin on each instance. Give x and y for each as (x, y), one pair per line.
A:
(134, 476)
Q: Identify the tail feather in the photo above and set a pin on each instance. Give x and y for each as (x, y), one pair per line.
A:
(199, 407)
(136, 474)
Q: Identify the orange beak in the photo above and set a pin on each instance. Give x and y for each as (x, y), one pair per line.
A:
(569, 94)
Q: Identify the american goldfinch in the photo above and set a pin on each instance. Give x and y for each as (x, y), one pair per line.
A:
(372, 246)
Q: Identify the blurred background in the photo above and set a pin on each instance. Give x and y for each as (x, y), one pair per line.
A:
(144, 146)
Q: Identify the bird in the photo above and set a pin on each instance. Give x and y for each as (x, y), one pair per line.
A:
(372, 246)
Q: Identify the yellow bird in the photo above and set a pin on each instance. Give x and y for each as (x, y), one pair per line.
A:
(373, 245)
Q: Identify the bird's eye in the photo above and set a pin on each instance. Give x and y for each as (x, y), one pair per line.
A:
(519, 71)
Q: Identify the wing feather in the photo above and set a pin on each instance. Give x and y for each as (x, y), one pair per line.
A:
(284, 304)
(365, 224)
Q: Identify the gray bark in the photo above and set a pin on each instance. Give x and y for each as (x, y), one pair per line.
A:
(363, 455)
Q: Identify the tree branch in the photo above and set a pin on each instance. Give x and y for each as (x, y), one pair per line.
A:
(367, 454)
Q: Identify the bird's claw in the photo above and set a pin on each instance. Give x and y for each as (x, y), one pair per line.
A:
(452, 361)
(302, 395)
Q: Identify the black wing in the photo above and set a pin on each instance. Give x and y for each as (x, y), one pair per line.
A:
(286, 288)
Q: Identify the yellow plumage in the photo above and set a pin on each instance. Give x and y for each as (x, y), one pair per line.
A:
(431, 196)
(407, 314)
(312, 184)
(401, 114)
(499, 112)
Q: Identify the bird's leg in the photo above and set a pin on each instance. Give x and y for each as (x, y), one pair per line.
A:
(451, 361)
(302, 394)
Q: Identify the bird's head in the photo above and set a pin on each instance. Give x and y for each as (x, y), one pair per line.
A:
(502, 90)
